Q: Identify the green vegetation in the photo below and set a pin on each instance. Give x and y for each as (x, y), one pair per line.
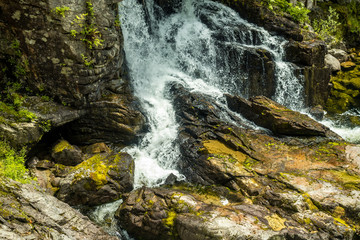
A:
(328, 29)
(89, 32)
(12, 163)
(348, 19)
(61, 10)
(87, 63)
(299, 13)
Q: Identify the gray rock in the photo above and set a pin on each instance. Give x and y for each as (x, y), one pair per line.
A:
(27, 212)
(332, 63)
(339, 54)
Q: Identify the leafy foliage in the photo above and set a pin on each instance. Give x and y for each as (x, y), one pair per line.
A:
(299, 13)
(328, 28)
(89, 32)
(12, 163)
(61, 10)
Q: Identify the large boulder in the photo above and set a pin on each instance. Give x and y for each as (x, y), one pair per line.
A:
(102, 178)
(27, 212)
(276, 117)
(92, 175)
(332, 63)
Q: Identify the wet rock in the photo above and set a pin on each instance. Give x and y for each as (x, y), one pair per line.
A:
(66, 154)
(29, 213)
(99, 179)
(339, 54)
(348, 66)
(317, 112)
(276, 117)
(169, 6)
(215, 151)
(316, 87)
(332, 63)
(306, 53)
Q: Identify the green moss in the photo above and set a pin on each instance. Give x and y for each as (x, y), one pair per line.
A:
(95, 168)
(61, 146)
(61, 10)
(345, 179)
(169, 221)
(12, 163)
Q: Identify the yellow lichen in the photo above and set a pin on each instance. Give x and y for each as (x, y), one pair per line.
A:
(96, 169)
(216, 147)
(169, 221)
(275, 222)
(63, 144)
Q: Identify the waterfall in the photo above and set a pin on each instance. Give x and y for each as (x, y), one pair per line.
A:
(205, 46)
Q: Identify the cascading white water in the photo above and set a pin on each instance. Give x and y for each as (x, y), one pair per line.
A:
(182, 48)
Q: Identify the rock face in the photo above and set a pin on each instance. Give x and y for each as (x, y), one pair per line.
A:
(57, 60)
(276, 117)
(29, 213)
(308, 53)
(40, 117)
(75, 55)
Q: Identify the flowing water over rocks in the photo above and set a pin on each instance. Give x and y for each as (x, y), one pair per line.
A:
(182, 63)
(208, 48)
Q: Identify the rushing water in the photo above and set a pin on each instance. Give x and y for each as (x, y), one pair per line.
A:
(189, 47)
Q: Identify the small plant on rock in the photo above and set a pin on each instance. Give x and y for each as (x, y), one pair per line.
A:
(328, 29)
(61, 10)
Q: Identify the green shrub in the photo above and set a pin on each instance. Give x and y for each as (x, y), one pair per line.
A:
(299, 13)
(12, 163)
(61, 10)
(328, 28)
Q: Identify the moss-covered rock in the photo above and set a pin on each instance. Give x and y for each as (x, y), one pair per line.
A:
(66, 154)
(100, 179)
(345, 92)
